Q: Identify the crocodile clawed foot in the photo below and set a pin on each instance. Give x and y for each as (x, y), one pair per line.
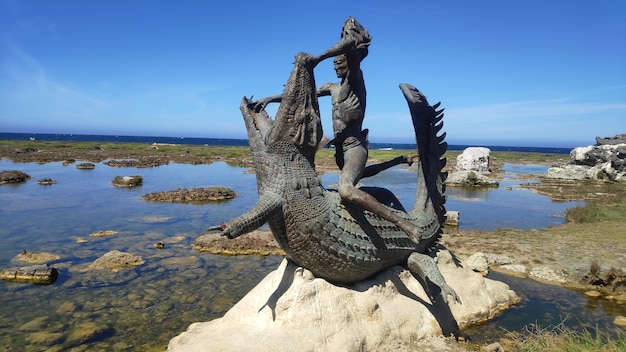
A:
(221, 228)
(426, 268)
(446, 291)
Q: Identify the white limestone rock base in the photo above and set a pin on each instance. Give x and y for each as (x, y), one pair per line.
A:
(291, 310)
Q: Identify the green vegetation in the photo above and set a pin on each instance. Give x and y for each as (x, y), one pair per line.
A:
(563, 339)
(529, 158)
(472, 180)
(177, 153)
(608, 208)
(232, 152)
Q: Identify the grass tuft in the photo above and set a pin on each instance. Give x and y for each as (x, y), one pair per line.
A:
(605, 209)
(563, 339)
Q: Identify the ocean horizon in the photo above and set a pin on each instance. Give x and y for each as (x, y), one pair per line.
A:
(244, 142)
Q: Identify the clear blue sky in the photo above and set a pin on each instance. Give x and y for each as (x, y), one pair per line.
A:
(534, 72)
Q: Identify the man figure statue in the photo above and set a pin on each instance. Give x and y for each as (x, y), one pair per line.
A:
(348, 111)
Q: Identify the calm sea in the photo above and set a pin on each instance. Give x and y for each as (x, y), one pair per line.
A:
(242, 142)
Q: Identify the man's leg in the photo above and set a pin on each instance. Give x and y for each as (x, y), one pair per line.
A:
(354, 164)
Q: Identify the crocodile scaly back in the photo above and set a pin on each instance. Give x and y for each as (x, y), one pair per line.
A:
(430, 198)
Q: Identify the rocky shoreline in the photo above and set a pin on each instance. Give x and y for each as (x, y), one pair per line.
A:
(114, 155)
(604, 160)
(534, 254)
(462, 244)
(577, 259)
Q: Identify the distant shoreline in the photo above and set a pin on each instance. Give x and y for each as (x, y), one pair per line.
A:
(151, 152)
(244, 142)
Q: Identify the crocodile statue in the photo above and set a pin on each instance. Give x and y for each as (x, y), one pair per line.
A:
(337, 240)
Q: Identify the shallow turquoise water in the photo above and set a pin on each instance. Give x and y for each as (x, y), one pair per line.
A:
(137, 308)
(483, 208)
(550, 307)
(143, 307)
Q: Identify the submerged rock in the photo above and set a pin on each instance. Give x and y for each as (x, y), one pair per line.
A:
(45, 337)
(13, 176)
(115, 260)
(46, 181)
(156, 219)
(67, 308)
(105, 233)
(86, 166)
(36, 257)
(292, 310)
(139, 163)
(192, 195)
(127, 181)
(87, 332)
(36, 274)
(38, 323)
(256, 242)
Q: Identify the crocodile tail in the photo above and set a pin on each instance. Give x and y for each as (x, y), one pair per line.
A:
(427, 122)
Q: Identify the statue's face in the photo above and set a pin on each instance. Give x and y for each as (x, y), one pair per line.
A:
(341, 66)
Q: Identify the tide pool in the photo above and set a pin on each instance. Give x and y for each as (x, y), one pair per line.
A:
(142, 308)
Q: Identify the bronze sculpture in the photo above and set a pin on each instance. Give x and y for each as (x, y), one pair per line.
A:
(347, 235)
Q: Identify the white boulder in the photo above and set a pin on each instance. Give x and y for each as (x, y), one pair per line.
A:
(569, 171)
(478, 262)
(471, 167)
(579, 154)
(474, 159)
(605, 161)
(291, 310)
(452, 218)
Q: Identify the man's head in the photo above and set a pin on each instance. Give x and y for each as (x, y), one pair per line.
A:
(341, 65)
